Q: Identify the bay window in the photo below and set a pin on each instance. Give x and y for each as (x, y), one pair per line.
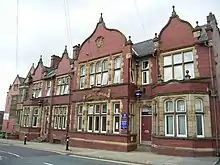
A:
(145, 72)
(176, 65)
(35, 117)
(116, 117)
(63, 85)
(199, 118)
(117, 70)
(37, 90)
(175, 118)
(82, 77)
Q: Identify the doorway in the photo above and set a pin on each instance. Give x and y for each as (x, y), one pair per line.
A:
(146, 124)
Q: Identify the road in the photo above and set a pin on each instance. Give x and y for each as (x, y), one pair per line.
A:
(14, 155)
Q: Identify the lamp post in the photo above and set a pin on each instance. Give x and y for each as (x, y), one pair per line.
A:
(69, 109)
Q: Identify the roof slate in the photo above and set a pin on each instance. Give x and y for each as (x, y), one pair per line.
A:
(144, 48)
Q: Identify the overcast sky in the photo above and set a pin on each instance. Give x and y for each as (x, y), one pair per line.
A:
(42, 26)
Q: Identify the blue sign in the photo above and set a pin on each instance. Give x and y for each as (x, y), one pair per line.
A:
(124, 124)
(138, 93)
(124, 116)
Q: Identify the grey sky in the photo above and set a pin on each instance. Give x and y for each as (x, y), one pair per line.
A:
(42, 26)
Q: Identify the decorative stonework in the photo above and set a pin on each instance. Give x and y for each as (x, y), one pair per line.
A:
(99, 41)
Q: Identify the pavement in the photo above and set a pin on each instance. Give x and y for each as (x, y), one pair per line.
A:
(54, 153)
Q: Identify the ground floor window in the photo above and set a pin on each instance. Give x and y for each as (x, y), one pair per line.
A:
(60, 117)
(131, 118)
(26, 116)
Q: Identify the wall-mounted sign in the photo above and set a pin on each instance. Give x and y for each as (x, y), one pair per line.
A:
(124, 115)
(124, 124)
(138, 93)
(6, 116)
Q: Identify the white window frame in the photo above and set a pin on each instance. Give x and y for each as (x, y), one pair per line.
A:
(117, 69)
(166, 134)
(82, 76)
(116, 114)
(177, 125)
(145, 71)
(94, 123)
(200, 113)
(79, 115)
(35, 115)
(48, 87)
(103, 114)
(88, 119)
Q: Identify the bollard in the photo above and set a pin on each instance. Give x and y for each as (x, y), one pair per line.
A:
(67, 143)
(25, 139)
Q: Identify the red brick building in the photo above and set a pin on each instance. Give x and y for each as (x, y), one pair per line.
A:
(116, 95)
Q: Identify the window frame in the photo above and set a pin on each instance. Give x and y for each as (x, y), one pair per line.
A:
(145, 71)
(183, 63)
(35, 116)
(200, 113)
(117, 69)
(116, 114)
(82, 76)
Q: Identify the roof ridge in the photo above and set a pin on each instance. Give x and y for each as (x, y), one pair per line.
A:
(143, 41)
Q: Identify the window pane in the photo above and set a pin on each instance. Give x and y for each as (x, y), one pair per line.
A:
(97, 108)
(178, 72)
(167, 60)
(190, 68)
(105, 65)
(116, 108)
(90, 109)
(90, 123)
(188, 56)
(79, 122)
(98, 79)
(92, 80)
(82, 71)
(177, 58)
(168, 73)
(105, 78)
(181, 124)
(145, 65)
(198, 105)
(96, 123)
(98, 67)
(104, 108)
(117, 76)
(104, 121)
(116, 123)
(169, 106)
(199, 125)
(117, 63)
(145, 77)
(92, 68)
(169, 124)
(181, 106)
(82, 82)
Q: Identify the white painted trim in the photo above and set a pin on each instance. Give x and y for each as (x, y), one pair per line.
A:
(147, 77)
(119, 127)
(203, 129)
(94, 123)
(88, 123)
(140, 125)
(169, 135)
(177, 125)
(176, 105)
(135, 52)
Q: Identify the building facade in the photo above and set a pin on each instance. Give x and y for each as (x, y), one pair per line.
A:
(115, 95)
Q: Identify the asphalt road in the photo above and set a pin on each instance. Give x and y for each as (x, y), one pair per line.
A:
(14, 155)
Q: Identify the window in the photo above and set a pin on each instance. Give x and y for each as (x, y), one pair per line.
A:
(105, 72)
(131, 118)
(117, 70)
(63, 84)
(92, 75)
(175, 118)
(48, 87)
(175, 65)
(133, 71)
(199, 118)
(60, 117)
(98, 73)
(79, 118)
(35, 117)
(97, 118)
(145, 72)
(82, 77)
(26, 117)
(37, 90)
(116, 117)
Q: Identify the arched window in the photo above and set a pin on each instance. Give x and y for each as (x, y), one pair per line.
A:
(92, 75)
(169, 118)
(82, 77)
(105, 72)
(98, 73)
(181, 122)
(117, 70)
(199, 117)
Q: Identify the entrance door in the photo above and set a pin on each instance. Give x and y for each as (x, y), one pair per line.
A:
(146, 124)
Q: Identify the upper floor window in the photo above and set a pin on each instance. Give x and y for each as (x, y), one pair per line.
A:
(175, 65)
(117, 70)
(145, 72)
(48, 87)
(133, 71)
(15, 87)
(175, 118)
(199, 110)
(82, 77)
(37, 90)
(63, 84)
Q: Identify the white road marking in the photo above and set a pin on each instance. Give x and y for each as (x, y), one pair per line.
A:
(10, 153)
(1, 157)
(47, 163)
(106, 160)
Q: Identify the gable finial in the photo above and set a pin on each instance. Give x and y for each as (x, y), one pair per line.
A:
(65, 52)
(173, 12)
(101, 20)
(41, 61)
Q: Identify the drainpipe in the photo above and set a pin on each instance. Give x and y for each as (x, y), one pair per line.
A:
(51, 110)
(213, 95)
